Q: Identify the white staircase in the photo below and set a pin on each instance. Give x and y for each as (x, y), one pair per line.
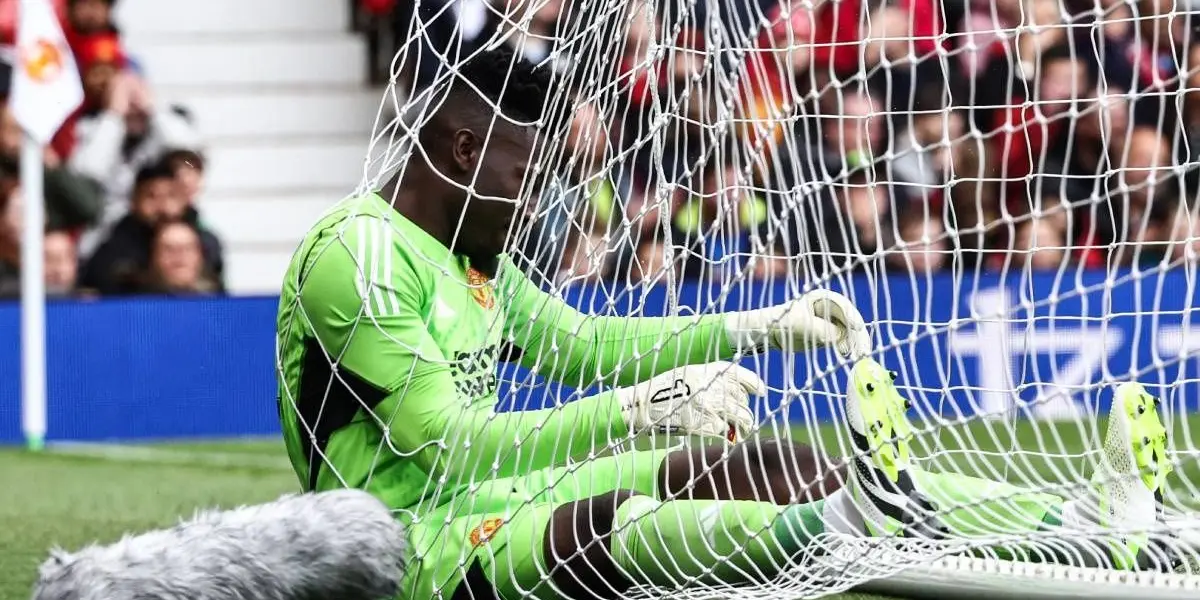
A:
(278, 88)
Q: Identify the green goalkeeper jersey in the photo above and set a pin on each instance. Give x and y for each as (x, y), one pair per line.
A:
(387, 352)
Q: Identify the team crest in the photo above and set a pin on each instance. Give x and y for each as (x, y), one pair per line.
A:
(485, 531)
(481, 288)
(42, 60)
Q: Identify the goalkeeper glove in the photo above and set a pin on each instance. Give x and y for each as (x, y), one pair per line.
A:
(818, 318)
(709, 400)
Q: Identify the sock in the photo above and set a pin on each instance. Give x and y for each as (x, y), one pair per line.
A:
(681, 542)
(841, 515)
(1082, 515)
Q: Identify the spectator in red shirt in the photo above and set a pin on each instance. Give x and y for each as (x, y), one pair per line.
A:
(88, 18)
(852, 37)
(844, 32)
(636, 69)
(776, 74)
(1027, 133)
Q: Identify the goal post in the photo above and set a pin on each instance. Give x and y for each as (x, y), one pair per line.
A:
(1004, 188)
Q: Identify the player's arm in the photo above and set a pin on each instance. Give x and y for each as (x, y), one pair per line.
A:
(372, 327)
(563, 344)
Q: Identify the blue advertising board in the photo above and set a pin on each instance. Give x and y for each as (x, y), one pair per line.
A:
(175, 368)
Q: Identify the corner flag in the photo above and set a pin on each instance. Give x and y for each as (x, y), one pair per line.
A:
(45, 91)
(45, 87)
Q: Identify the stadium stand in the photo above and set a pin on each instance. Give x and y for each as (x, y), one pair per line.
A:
(278, 89)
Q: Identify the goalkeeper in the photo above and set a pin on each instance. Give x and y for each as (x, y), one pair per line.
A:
(395, 311)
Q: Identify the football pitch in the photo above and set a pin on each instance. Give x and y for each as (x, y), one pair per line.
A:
(73, 495)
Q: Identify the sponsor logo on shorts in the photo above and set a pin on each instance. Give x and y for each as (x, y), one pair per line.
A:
(481, 289)
(486, 531)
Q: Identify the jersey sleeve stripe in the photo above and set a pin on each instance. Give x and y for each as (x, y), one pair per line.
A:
(389, 248)
(360, 264)
(377, 250)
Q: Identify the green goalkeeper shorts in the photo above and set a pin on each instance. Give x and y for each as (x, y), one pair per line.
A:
(497, 530)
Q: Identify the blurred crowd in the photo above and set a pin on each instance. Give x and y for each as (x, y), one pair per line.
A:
(122, 177)
(807, 138)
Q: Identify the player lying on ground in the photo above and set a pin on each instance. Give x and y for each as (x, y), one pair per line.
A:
(398, 306)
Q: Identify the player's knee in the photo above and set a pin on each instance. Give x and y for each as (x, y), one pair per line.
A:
(576, 548)
(804, 472)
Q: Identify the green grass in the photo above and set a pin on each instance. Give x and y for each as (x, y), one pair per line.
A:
(68, 500)
(49, 500)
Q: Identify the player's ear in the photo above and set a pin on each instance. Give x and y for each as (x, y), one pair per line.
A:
(465, 150)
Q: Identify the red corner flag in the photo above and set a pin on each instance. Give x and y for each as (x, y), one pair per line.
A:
(45, 86)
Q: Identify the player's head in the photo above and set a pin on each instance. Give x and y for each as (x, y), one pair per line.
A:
(481, 140)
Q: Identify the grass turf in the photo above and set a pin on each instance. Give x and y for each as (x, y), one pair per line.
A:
(72, 497)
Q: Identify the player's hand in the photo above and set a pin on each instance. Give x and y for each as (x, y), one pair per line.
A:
(709, 400)
(816, 319)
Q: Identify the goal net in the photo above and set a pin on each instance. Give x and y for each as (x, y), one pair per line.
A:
(1004, 188)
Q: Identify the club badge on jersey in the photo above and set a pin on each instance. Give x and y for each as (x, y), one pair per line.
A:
(481, 288)
(485, 531)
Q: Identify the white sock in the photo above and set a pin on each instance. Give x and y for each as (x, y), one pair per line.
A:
(841, 514)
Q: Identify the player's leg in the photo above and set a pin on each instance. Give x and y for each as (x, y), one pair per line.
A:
(543, 551)
(774, 470)
(599, 547)
(1127, 487)
(888, 495)
(568, 552)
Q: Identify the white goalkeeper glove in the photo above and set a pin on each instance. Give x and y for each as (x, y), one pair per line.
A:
(710, 400)
(816, 319)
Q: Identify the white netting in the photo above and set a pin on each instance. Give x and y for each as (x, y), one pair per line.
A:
(1003, 187)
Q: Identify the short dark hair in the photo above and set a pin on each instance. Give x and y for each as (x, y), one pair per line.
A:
(929, 100)
(1057, 52)
(154, 171)
(175, 158)
(516, 85)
